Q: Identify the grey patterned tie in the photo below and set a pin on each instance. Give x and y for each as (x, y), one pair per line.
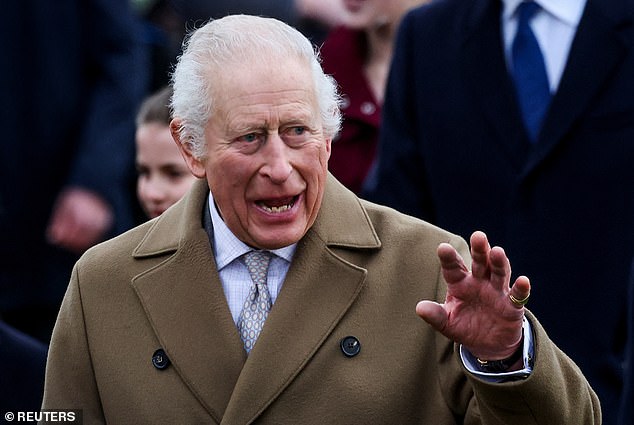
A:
(258, 303)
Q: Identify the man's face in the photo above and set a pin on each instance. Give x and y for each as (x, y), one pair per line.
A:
(267, 157)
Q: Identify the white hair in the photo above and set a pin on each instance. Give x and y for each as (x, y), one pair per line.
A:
(207, 51)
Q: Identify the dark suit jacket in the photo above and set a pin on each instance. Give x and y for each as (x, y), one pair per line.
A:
(71, 76)
(359, 271)
(453, 151)
(22, 363)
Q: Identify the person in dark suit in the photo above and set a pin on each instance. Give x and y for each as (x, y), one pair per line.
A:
(22, 365)
(271, 294)
(454, 150)
(71, 77)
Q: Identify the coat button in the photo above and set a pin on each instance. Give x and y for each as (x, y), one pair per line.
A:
(160, 359)
(350, 346)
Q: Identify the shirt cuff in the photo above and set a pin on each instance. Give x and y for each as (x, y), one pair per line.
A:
(469, 361)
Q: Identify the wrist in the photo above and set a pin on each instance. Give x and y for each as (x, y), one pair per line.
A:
(504, 365)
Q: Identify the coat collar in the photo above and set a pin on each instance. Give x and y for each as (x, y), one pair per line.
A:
(342, 220)
(185, 303)
(176, 224)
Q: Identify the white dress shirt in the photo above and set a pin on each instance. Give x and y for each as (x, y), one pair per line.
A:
(554, 26)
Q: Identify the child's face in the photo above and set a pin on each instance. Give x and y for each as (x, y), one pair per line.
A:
(163, 176)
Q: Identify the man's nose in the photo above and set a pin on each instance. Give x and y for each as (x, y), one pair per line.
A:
(277, 165)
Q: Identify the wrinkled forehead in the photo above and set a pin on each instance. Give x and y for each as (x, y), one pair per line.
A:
(252, 73)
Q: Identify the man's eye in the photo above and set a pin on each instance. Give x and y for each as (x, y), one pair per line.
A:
(249, 138)
(298, 131)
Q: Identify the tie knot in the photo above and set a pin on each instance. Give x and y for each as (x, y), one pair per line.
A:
(257, 263)
(526, 10)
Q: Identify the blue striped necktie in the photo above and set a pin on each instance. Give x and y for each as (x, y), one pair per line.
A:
(529, 72)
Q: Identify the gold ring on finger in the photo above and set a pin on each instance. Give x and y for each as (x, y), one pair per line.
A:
(519, 303)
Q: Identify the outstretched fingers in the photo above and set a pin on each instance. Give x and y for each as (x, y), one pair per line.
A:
(520, 291)
(452, 264)
(480, 251)
(500, 268)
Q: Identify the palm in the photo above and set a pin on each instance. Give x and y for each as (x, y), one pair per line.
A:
(477, 311)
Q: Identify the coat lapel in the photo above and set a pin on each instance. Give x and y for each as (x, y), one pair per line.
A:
(597, 49)
(186, 305)
(486, 78)
(319, 288)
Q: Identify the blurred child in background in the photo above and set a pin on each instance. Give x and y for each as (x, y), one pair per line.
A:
(163, 176)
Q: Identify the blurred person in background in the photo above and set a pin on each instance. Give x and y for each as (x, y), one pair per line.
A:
(71, 78)
(163, 30)
(165, 23)
(313, 18)
(163, 176)
(22, 366)
(358, 54)
(535, 99)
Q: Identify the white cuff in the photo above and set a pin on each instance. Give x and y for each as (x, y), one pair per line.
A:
(469, 361)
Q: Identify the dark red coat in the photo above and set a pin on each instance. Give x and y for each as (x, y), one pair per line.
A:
(354, 149)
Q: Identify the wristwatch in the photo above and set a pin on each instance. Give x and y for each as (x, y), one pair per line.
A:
(500, 366)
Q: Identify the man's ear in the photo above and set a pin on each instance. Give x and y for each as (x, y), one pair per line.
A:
(329, 146)
(195, 165)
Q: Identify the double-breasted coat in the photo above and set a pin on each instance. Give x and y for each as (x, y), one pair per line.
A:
(359, 271)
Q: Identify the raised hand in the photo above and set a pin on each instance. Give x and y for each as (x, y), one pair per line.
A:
(481, 311)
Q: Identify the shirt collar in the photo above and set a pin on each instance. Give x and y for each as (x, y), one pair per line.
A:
(567, 11)
(227, 247)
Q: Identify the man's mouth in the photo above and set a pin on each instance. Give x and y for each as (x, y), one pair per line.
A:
(276, 206)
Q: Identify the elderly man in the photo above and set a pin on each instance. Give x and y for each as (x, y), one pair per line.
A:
(271, 294)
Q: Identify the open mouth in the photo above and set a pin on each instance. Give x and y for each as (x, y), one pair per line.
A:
(276, 206)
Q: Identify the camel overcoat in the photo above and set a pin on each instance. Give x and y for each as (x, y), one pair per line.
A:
(359, 271)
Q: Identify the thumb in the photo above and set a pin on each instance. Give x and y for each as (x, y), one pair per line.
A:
(433, 313)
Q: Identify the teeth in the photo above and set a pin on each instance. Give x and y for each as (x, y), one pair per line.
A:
(277, 209)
